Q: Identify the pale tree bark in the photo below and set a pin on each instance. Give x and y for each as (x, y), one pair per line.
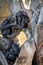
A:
(26, 54)
(39, 44)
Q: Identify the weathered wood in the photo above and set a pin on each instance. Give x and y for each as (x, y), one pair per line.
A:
(26, 54)
(39, 51)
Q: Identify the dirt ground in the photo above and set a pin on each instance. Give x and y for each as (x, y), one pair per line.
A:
(4, 10)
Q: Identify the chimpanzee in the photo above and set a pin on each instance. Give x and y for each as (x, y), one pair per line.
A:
(10, 50)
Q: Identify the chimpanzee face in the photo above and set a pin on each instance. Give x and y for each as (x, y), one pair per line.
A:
(22, 19)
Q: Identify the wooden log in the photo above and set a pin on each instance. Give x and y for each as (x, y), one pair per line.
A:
(39, 51)
(26, 54)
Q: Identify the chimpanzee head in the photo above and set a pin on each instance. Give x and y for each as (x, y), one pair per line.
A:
(12, 53)
(22, 19)
(10, 50)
